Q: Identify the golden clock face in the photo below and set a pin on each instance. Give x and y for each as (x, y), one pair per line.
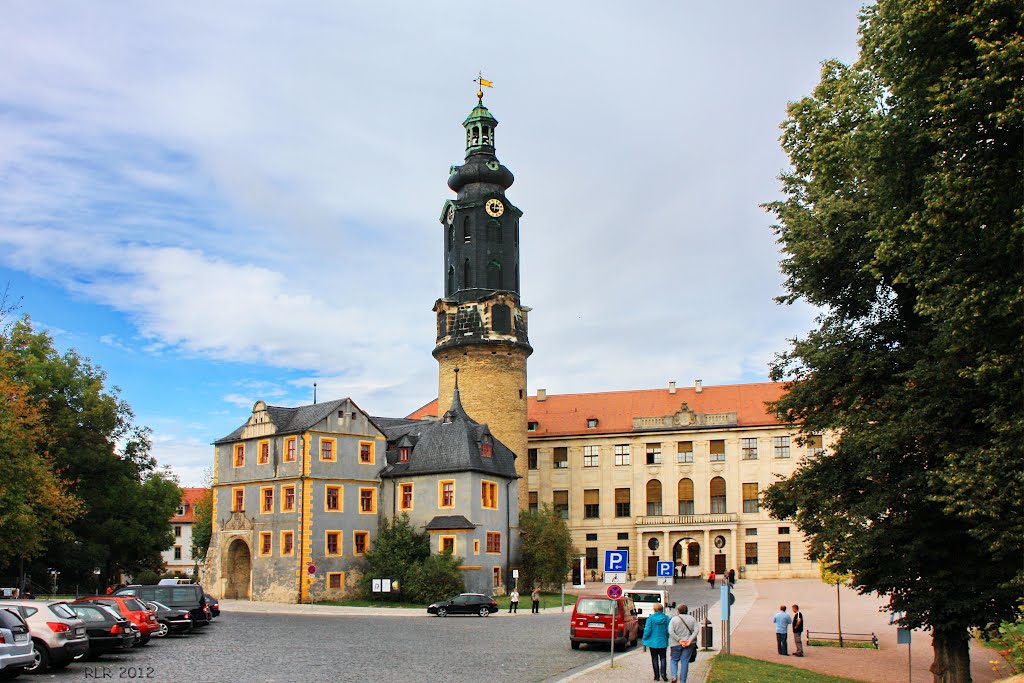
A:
(451, 213)
(494, 207)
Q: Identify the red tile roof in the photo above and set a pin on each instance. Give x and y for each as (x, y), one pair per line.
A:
(567, 414)
(189, 497)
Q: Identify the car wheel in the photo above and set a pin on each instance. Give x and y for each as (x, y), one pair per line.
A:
(163, 630)
(484, 612)
(442, 612)
(42, 660)
(574, 644)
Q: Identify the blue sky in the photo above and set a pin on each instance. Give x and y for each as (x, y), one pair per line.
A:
(226, 202)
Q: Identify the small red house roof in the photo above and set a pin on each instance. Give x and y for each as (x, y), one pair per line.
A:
(189, 497)
(568, 414)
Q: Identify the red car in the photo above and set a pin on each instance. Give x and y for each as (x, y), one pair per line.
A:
(592, 622)
(131, 609)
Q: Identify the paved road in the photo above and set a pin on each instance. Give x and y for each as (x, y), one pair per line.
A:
(281, 648)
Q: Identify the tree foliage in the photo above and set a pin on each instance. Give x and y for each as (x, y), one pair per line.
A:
(397, 549)
(434, 578)
(92, 442)
(902, 222)
(548, 552)
(202, 529)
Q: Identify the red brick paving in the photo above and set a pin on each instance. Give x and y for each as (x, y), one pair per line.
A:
(754, 636)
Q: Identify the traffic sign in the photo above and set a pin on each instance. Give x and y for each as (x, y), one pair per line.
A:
(614, 591)
(311, 568)
(616, 560)
(665, 569)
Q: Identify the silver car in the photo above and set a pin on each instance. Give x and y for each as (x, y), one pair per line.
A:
(16, 651)
(57, 633)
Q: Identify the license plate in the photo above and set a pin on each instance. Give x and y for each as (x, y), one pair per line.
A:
(595, 624)
(80, 631)
(20, 637)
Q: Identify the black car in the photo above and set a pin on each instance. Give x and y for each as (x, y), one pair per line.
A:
(466, 603)
(171, 620)
(107, 630)
(213, 604)
(184, 596)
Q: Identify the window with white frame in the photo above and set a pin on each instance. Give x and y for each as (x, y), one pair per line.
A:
(622, 454)
(590, 456)
(748, 448)
(781, 444)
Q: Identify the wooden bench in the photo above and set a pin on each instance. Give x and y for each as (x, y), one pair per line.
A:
(843, 638)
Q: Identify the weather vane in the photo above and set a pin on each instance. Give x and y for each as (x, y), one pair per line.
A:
(481, 84)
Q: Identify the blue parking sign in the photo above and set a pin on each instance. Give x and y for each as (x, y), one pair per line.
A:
(616, 560)
(665, 569)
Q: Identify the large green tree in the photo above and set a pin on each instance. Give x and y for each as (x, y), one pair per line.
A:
(902, 223)
(91, 440)
(396, 551)
(548, 552)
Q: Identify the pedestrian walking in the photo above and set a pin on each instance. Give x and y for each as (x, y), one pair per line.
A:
(682, 637)
(513, 602)
(656, 640)
(732, 577)
(798, 631)
(535, 598)
(684, 570)
(782, 622)
(711, 579)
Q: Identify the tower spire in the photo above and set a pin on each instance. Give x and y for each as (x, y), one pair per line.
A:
(481, 84)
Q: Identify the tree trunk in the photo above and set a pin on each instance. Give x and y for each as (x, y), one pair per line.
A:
(952, 662)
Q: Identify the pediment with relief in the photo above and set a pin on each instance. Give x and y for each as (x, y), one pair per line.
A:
(685, 417)
(238, 522)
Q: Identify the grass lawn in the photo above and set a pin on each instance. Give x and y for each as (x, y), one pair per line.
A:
(733, 669)
(546, 600)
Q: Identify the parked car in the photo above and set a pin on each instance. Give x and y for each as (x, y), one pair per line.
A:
(108, 631)
(644, 602)
(58, 635)
(213, 604)
(171, 620)
(187, 596)
(16, 651)
(466, 603)
(592, 622)
(131, 609)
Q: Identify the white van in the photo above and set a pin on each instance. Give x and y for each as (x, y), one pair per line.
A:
(645, 600)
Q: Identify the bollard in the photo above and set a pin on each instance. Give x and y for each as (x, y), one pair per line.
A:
(707, 634)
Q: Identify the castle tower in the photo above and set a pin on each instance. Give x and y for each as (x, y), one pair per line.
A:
(481, 326)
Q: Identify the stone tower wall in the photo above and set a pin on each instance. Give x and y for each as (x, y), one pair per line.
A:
(492, 388)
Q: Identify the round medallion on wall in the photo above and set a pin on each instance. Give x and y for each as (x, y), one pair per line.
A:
(494, 207)
(493, 165)
(653, 544)
(719, 542)
(451, 213)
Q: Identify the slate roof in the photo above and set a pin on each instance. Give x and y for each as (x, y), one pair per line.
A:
(451, 444)
(446, 522)
(567, 414)
(290, 420)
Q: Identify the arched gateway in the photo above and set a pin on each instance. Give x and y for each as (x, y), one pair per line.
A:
(237, 570)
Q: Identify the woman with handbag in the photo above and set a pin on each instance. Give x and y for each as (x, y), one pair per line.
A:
(682, 637)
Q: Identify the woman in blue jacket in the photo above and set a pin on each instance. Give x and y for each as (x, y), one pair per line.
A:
(656, 640)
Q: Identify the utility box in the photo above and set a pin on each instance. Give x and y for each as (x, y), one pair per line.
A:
(707, 633)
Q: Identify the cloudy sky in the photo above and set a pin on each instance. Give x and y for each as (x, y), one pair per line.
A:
(224, 202)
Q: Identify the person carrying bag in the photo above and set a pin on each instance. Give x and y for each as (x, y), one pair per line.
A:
(682, 637)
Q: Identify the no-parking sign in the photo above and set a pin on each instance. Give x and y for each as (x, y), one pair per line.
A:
(614, 591)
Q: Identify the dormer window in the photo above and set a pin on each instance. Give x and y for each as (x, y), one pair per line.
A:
(180, 512)
(531, 426)
(447, 419)
(403, 454)
(486, 447)
(592, 423)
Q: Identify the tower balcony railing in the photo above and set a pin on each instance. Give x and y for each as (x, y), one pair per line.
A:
(688, 520)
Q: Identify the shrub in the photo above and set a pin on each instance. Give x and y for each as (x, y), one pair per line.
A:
(436, 578)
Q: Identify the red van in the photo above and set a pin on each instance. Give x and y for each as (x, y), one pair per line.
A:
(592, 622)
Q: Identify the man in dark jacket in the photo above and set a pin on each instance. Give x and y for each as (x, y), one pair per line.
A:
(798, 630)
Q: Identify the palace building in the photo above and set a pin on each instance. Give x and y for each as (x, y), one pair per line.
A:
(669, 474)
(298, 492)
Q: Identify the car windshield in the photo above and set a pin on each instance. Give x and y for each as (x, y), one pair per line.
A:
(89, 613)
(645, 597)
(62, 611)
(594, 606)
(134, 605)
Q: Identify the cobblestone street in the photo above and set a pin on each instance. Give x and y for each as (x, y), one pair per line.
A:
(281, 648)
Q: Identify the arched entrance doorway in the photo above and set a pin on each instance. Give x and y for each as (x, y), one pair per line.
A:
(686, 551)
(238, 570)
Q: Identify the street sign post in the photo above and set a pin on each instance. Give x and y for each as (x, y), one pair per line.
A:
(616, 565)
(614, 592)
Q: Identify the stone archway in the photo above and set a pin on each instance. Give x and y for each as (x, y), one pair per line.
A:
(687, 552)
(237, 570)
